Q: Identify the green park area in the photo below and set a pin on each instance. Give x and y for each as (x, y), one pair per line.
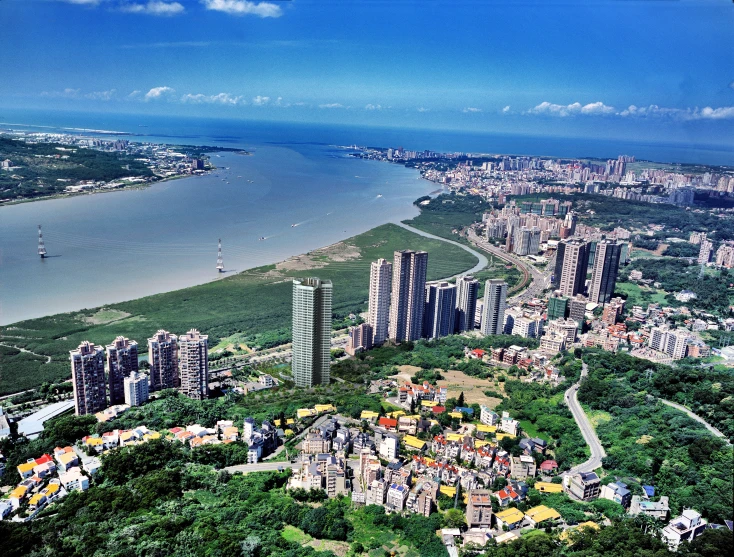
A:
(255, 305)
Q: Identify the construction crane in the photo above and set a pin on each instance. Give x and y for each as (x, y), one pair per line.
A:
(220, 261)
(41, 246)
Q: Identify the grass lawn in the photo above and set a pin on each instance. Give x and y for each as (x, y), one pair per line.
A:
(255, 303)
(640, 295)
(293, 534)
(529, 428)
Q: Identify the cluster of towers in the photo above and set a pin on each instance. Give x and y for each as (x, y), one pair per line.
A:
(175, 363)
(572, 262)
(404, 307)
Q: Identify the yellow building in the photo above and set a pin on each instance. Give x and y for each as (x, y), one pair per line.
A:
(547, 487)
(324, 408)
(501, 436)
(510, 518)
(414, 443)
(486, 428)
(541, 513)
(368, 415)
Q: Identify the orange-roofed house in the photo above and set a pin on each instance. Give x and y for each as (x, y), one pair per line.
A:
(391, 424)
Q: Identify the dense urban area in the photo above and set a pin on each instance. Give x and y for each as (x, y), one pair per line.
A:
(571, 395)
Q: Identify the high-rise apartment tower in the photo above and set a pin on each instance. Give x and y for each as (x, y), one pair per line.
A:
(122, 360)
(440, 313)
(408, 295)
(493, 315)
(467, 288)
(193, 364)
(311, 331)
(87, 376)
(604, 273)
(163, 360)
(378, 313)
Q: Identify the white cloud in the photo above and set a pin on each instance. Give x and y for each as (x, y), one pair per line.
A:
(422, 109)
(67, 93)
(101, 95)
(244, 7)
(158, 92)
(373, 107)
(135, 94)
(655, 111)
(83, 2)
(596, 108)
(154, 7)
(471, 109)
(506, 109)
(221, 98)
(331, 105)
(260, 101)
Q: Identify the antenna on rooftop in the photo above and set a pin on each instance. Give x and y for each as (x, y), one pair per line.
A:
(220, 261)
(41, 246)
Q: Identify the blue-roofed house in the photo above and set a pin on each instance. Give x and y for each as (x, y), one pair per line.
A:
(617, 492)
(649, 490)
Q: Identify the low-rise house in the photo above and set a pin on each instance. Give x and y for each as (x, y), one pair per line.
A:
(414, 444)
(522, 467)
(683, 528)
(584, 486)
(376, 492)
(548, 467)
(396, 497)
(617, 492)
(17, 495)
(67, 460)
(511, 518)
(91, 464)
(6, 507)
(547, 487)
(74, 480)
(541, 513)
(658, 509)
(508, 425)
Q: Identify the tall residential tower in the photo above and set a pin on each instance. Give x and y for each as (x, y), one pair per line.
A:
(440, 312)
(311, 331)
(378, 314)
(572, 261)
(87, 376)
(163, 360)
(467, 288)
(193, 364)
(408, 295)
(604, 274)
(493, 314)
(122, 360)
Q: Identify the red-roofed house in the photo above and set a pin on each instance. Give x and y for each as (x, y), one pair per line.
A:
(477, 353)
(44, 459)
(438, 409)
(507, 495)
(549, 466)
(388, 423)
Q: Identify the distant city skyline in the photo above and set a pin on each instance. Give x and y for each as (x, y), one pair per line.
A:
(653, 70)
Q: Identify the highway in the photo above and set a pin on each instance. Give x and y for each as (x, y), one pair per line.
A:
(539, 281)
(587, 430)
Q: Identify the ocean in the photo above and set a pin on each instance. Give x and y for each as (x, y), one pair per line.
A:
(299, 190)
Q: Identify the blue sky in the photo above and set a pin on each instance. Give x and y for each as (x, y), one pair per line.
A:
(653, 69)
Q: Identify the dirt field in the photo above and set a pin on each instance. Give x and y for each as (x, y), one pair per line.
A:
(321, 257)
(473, 388)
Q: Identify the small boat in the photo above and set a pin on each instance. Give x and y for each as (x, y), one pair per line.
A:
(293, 225)
(379, 195)
(261, 238)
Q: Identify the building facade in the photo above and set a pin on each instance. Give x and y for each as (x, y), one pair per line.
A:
(193, 364)
(88, 378)
(467, 288)
(122, 360)
(572, 261)
(407, 303)
(163, 360)
(378, 312)
(311, 331)
(605, 270)
(439, 317)
(495, 299)
(136, 387)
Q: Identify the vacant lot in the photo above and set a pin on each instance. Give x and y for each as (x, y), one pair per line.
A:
(472, 387)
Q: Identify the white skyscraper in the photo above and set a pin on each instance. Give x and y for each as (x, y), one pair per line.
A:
(467, 288)
(493, 316)
(136, 388)
(311, 331)
(193, 364)
(378, 314)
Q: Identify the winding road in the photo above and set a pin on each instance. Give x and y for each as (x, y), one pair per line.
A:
(696, 417)
(587, 430)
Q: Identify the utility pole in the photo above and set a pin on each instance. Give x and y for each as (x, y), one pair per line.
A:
(41, 246)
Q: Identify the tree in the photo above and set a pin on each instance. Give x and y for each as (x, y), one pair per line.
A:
(460, 401)
(454, 518)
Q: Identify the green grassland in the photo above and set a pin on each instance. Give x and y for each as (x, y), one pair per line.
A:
(446, 213)
(255, 303)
